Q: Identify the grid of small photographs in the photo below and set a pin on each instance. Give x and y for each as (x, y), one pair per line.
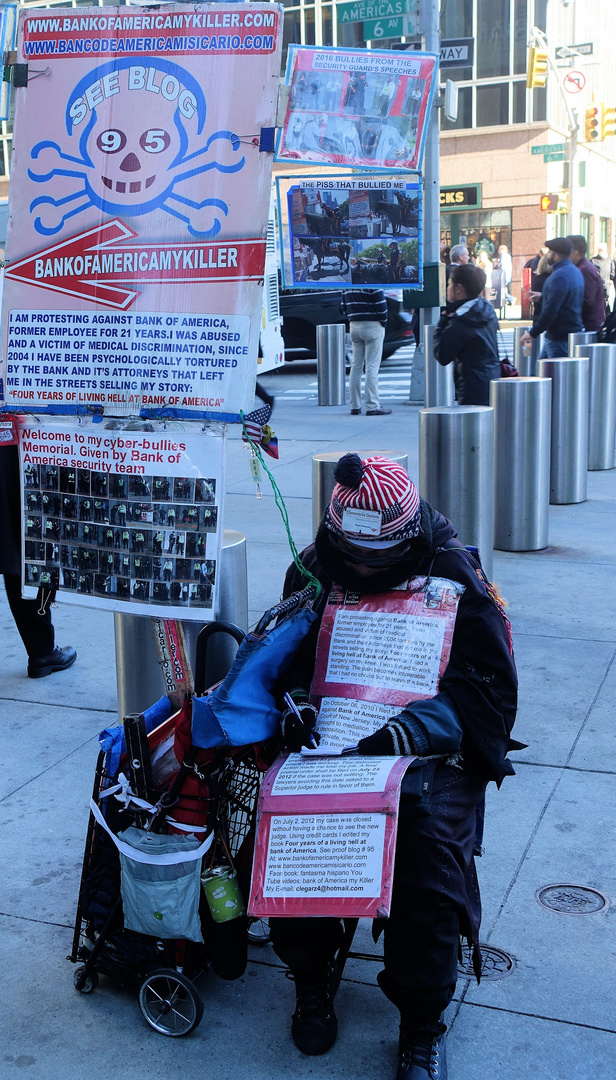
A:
(353, 232)
(143, 539)
(362, 115)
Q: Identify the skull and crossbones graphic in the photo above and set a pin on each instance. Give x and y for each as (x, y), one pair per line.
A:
(126, 164)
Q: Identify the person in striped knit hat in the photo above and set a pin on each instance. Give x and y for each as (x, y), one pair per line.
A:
(375, 536)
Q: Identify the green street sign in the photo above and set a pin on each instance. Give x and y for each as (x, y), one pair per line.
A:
(357, 11)
(403, 26)
(549, 148)
(558, 155)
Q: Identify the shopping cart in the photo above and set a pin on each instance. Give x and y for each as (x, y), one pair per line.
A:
(154, 781)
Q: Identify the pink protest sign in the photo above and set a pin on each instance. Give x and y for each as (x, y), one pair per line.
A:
(326, 836)
(391, 648)
(138, 208)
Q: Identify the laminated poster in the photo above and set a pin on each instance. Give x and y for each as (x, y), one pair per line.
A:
(351, 230)
(123, 520)
(326, 836)
(389, 649)
(366, 108)
(140, 186)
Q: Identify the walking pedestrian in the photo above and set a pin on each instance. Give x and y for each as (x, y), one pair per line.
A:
(366, 310)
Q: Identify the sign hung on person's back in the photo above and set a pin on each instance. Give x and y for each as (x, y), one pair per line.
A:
(138, 208)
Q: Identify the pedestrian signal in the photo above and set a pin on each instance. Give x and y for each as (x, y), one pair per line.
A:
(537, 73)
(548, 203)
(591, 124)
(562, 206)
(608, 121)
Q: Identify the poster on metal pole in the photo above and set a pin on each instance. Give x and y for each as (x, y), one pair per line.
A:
(366, 108)
(140, 185)
(123, 520)
(351, 230)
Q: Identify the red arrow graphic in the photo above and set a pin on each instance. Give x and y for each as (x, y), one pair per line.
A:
(96, 266)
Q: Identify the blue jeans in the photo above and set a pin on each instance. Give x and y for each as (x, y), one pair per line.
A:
(553, 349)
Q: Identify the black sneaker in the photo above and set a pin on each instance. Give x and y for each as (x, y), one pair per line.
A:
(58, 660)
(378, 412)
(314, 1026)
(422, 1054)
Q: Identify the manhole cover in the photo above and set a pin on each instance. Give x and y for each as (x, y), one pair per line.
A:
(572, 899)
(495, 963)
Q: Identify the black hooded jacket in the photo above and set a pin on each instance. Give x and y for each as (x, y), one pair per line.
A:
(480, 678)
(469, 341)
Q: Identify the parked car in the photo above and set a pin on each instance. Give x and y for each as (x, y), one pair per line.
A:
(303, 310)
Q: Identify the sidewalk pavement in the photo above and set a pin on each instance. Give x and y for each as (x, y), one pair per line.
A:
(552, 1018)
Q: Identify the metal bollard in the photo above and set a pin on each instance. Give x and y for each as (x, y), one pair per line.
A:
(456, 471)
(569, 440)
(526, 362)
(139, 678)
(323, 466)
(331, 364)
(584, 337)
(439, 385)
(601, 404)
(522, 421)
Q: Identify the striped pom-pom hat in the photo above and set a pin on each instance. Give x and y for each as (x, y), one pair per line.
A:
(382, 490)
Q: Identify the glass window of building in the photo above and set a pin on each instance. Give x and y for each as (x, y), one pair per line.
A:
(585, 226)
(492, 37)
(493, 105)
(604, 230)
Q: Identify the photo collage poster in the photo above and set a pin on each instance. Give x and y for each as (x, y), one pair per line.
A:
(347, 230)
(123, 520)
(368, 109)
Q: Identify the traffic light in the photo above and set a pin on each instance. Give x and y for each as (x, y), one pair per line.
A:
(548, 203)
(592, 123)
(608, 121)
(537, 73)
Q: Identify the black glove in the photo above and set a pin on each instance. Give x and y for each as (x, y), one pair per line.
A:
(297, 733)
(402, 735)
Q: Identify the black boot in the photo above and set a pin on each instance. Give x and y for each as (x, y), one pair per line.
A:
(422, 1052)
(314, 1026)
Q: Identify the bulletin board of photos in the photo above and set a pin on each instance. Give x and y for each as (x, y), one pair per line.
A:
(345, 230)
(143, 539)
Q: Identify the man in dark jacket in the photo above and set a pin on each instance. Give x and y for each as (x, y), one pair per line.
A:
(466, 724)
(561, 302)
(35, 629)
(466, 336)
(593, 305)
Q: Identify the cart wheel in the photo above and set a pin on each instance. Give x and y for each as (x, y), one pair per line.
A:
(170, 1002)
(85, 981)
(259, 932)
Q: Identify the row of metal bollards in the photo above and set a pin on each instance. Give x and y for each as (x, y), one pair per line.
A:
(531, 447)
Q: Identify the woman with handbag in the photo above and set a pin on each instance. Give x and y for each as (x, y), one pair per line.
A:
(466, 336)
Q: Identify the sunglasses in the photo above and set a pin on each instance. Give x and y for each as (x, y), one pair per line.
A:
(387, 558)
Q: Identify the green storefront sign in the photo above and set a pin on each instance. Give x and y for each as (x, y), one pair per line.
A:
(359, 11)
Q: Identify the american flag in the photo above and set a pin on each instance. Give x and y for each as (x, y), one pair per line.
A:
(258, 429)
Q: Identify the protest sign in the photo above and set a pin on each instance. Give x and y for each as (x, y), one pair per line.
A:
(351, 230)
(138, 208)
(364, 108)
(391, 649)
(123, 520)
(326, 836)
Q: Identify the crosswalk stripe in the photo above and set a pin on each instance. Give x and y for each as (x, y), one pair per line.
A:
(395, 373)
